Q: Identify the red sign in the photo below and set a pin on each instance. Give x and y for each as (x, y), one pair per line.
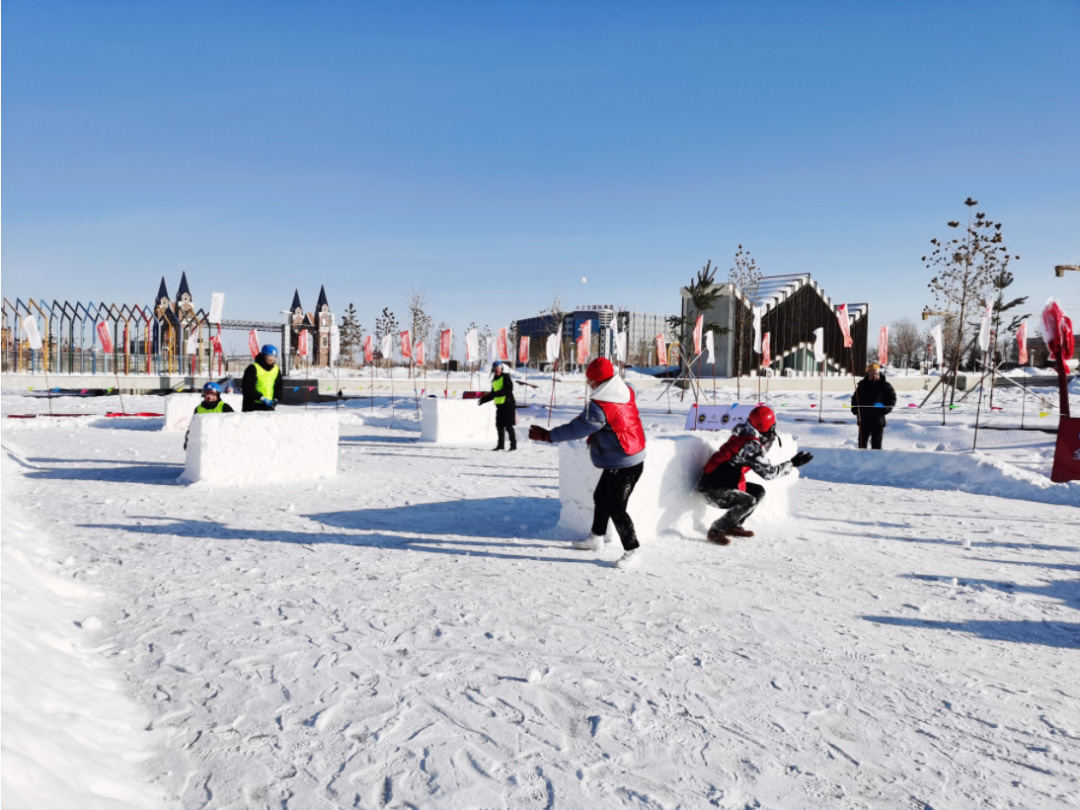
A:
(883, 346)
(697, 334)
(766, 349)
(845, 327)
(1067, 451)
(253, 343)
(406, 344)
(103, 336)
(369, 349)
(446, 337)
(523, 350)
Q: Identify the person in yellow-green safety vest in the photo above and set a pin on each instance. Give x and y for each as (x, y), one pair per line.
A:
(211, 403)
(261, 385)
(502, 392)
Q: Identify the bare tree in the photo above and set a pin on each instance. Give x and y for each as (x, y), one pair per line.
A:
(420, 321)
(966, 266)
(745, 277)
(385, 324)
(904, 342)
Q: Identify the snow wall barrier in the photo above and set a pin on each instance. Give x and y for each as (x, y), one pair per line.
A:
(457, 421)
(239, 449)
(664, 499)
(179, 408)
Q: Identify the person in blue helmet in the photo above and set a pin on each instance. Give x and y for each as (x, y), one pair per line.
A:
(261, 386)
(211, 403)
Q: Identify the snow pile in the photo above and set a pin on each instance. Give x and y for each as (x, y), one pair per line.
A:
(967, 472)
(261, 448)
(179, 408)
(71, 736)
(664, 499)
(457, 421)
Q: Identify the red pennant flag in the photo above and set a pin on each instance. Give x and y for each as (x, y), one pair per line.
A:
(215, 342)
(253, 343)
(1021, 344)
(418, 352)
(103, 336)
(523, 350)
(845, 327)
(883, 346)
(697, 334)
(502, 345)
(766, 350)
(445, 339)
(661, 351)
(369, 349)
(302, 343)
(406, 344)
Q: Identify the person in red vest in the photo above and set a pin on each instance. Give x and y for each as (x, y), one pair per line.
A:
(616, 439)
(724, 483)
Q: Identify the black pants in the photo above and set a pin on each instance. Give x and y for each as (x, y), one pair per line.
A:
(873, 432)
(739, 505)
(610, 498)
(513, 437)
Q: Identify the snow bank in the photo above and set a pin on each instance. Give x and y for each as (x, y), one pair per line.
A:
(71, 738)
(967, 472)
(179, 408)
(260, 448)
(664, 499)
(457, 421)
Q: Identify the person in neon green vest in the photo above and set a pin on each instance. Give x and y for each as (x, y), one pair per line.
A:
(502, 392)
(211, 403)
(261, 385)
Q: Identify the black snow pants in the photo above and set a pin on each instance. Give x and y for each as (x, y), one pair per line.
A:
(872, 431)
(610, 498)
(739, 505)
(505, 419)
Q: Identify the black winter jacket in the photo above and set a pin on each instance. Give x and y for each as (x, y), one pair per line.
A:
(868, 394)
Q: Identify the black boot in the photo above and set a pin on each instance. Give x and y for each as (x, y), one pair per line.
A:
(513, 438)
(500, 445)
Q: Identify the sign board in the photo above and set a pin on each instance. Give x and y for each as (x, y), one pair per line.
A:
(717, 417)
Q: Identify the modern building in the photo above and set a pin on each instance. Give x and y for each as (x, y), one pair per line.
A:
(641, 330)
(792, 306)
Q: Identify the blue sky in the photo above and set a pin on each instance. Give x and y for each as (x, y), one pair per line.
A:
(493, 154)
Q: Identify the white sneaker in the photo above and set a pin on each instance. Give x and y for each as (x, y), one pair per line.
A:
(591, 543)
(629, 559)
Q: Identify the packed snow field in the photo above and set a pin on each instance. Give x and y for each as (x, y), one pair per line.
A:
(410, 634)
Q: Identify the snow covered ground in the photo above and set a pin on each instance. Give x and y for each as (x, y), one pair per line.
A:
(408, 634)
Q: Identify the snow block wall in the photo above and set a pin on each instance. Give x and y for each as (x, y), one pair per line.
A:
(239, 449)
(457, 421)
(179, 408)
(664, 499)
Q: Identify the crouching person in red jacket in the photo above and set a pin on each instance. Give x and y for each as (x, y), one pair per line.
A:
(616, 440)
(724, 482)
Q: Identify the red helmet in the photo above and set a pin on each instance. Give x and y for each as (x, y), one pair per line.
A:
(762, 418)
(599, 370)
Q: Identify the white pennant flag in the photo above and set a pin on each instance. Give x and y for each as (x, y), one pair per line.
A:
(757, 329)
(819, 345)
(192, 343)
(552, 347)
(935, 333)
(388, 347)
(335, 343)
(472, 347)
(30, 332)
(710, 347)
(984, 331)
(492, 351)
(620, 346)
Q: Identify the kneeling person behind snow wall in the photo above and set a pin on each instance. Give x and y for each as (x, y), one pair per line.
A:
(724, 484)
(211, 403)
(261, 385)
(617, 446)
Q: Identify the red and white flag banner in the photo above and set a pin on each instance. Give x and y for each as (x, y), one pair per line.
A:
(215, 343)
(502, 345)
(883, 346)
(446, 337)
(766, 350)
(1057, 331)
(369, 349)
(406, 344)
(661, 351)
(1021, 344)
(418, 352)
(584, 343)
(845, 327)
(302, 343)
(698, 326)
(253, 343)
(104, 337)
(523, 350)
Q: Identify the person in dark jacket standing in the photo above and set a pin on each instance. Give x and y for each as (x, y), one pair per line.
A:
(724, 484)
(617, 446)
(261, 386)
(874, 397)
(502, 391)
